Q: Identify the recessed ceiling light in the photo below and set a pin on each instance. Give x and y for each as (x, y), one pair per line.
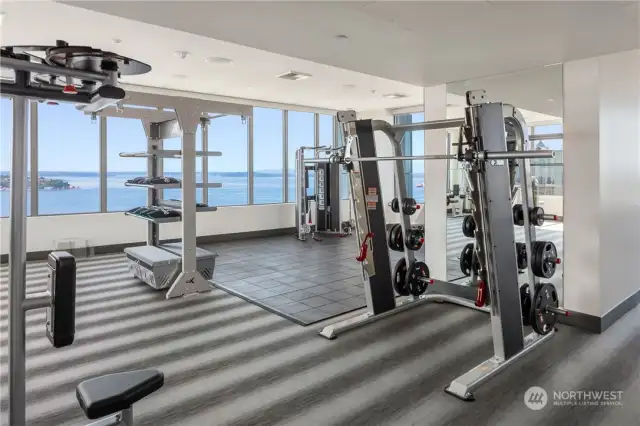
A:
(181, 54)
(342, 37)
(218, 60)
(395, 96)
(349, 86)
(294, 75)
(550, 100)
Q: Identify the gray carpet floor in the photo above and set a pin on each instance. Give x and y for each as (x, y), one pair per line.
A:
(228, 362)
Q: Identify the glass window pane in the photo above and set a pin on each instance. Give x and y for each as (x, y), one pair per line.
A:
(125, 135)
(325, 130)
(6, 136)
(228, 135)
(268, 177)
(300, 132)
(68, 161)
(417, 166)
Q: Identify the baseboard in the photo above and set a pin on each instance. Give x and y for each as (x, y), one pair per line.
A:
(597, 324)
(205, 239)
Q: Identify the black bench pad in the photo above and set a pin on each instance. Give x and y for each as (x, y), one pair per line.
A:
(111, 393)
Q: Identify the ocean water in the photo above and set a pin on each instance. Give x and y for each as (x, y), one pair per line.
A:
(86, 197)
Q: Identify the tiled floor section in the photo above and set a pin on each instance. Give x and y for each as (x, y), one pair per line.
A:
(304, 282)
(311, 281)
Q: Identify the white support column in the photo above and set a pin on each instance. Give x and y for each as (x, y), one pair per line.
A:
(435, 184)
(602, 185)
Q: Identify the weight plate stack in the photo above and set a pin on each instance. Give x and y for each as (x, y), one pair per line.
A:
(396, 238)
(414, 239)
(543, 321)
(469, 226)
(395, 206)
(521, 255)
(536, 216)
(409, 206)
(399, 278)
(518, 216)
(389, 231)
(414, 278)
(466, 257)
(544, 259)
(525, 304)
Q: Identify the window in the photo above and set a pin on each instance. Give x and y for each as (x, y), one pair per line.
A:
(413, 144)
(229, 135)
(300, 132)
(268, 178)
(68, 161)
(125, 135)
(325, 130)
(548, 172)
(172, 167)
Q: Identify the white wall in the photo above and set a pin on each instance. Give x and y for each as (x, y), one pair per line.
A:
(602, 181)
(115, 228)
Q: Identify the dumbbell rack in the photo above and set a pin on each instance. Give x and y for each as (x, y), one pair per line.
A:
(182, 267)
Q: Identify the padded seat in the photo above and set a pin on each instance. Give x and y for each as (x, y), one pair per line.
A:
(111, 393)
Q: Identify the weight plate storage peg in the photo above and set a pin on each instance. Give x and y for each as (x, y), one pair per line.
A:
(525, 304)
(518, 216)
(409, 206)
(395, 206)
(399, 278)
(466, 257)
(546, 296)
(521, 255)
(469, 226)
(544, 259)
(415, 278)
(414, 239)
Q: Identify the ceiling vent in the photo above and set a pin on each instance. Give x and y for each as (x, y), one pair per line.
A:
(294, 75)
(395, 96)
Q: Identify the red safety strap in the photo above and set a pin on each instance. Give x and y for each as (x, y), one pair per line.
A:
(481, 296)
(364, 247)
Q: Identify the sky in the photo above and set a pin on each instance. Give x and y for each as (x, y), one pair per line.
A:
(68, 140)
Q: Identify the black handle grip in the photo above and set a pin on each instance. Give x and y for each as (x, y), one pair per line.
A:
(61, 316)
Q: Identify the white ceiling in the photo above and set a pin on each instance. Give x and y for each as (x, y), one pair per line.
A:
(252, 76)
(392, 47)
(418, 42)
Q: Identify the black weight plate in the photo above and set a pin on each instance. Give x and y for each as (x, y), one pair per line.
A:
(536, 216)
(397, 243)
(525, 304)
(469, 226)
(399, 278)
(466, 257)
(409, 206)
(543, 321)
(389, 230)
(518, 216)
(521, 255)
(413, 278)
(395, 206)
(544, 256)
(414, 239)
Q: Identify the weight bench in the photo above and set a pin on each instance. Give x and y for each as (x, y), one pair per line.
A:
(110, 398)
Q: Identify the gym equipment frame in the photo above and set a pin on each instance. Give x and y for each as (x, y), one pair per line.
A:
(488, 159)
(182, 267)
(80, 75)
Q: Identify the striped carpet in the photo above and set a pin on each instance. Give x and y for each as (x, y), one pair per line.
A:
(228, 362)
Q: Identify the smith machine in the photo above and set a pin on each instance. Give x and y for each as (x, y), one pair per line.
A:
(487, 159)
(89, 78)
